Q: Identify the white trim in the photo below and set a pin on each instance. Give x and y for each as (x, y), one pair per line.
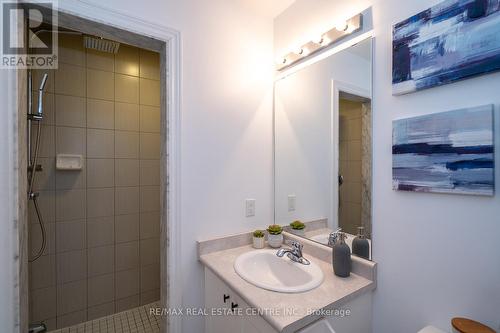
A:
(337, 87)
(110, 16)
(13, 252)
(172, 37)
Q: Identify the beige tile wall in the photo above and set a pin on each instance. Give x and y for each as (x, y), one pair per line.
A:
(350, 135)
(103, 222)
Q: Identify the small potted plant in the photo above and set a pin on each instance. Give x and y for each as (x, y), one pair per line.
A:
(258, 239)
(298, 228)
(275, 237)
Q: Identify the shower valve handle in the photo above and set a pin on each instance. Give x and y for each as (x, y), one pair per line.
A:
(38, 167)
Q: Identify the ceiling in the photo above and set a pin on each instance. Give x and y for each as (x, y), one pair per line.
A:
(269, 8)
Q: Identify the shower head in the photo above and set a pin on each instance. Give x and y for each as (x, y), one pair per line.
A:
(44, 82)
(100, 44)
(39, 115)
(89, 42)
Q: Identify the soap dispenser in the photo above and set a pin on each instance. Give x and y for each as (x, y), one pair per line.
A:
(341, 257)
(360, 245)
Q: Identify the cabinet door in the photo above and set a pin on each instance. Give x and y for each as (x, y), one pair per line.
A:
(250, 322)
(253, 324)
(219, 319)
(360, 318)
(216, 291)
(248, 326)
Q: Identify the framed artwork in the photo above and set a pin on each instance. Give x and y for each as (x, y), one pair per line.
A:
(448, 152)
(454, 40)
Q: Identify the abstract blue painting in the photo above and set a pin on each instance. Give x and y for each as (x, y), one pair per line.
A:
(451, 41)
(448, 152)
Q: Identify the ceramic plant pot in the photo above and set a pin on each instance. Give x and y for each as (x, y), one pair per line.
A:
(275, 240)
(258, 242)
(301, 232)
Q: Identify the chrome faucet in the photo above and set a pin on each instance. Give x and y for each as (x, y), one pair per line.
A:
(294, 254)
(333, 237)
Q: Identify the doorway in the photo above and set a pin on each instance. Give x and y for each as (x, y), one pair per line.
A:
(163, 115)
(354, 163)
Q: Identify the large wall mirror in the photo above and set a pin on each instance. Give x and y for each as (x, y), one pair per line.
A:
(323, 147)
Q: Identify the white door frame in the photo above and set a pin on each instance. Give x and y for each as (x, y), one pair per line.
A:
(171, 296)
(337, 88)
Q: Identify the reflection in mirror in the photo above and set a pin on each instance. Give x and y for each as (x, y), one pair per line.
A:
(323, 149)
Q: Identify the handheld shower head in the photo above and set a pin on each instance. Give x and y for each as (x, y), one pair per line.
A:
(39, 115)
(44, 82)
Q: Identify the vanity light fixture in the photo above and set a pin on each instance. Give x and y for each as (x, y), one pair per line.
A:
(300, 51)
(289, 59)
(351, 28)
(321, 40)
(340, 31)
(342, 26)
(311, 47)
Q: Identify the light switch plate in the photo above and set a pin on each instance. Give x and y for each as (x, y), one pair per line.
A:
(250, 207)
(292, 201)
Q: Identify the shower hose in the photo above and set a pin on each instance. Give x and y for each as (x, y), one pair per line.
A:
(34, 197)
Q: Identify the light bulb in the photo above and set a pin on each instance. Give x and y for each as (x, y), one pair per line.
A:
(341, 26)
(300, 51)
(350, 28)
(281, 60)
(318, 40)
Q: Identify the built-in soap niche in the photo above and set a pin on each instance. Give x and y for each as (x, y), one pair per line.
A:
(69, 162)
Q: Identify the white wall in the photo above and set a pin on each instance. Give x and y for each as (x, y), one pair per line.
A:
(227, 77)
(227, 59)
(304, 147)
(226, 125)
(438, 255)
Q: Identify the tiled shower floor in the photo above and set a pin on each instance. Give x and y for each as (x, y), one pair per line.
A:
(137, 320)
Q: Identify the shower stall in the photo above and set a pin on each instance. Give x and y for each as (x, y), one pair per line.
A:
(93, 174)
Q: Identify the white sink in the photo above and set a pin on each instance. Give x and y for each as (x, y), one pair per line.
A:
(264, 269)
(322, 238)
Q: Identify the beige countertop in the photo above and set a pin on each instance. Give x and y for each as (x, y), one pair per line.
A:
(331, 294)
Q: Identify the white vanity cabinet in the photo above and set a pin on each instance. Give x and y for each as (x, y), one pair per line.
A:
(359, 320)
(220, 300)
(227, 312)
